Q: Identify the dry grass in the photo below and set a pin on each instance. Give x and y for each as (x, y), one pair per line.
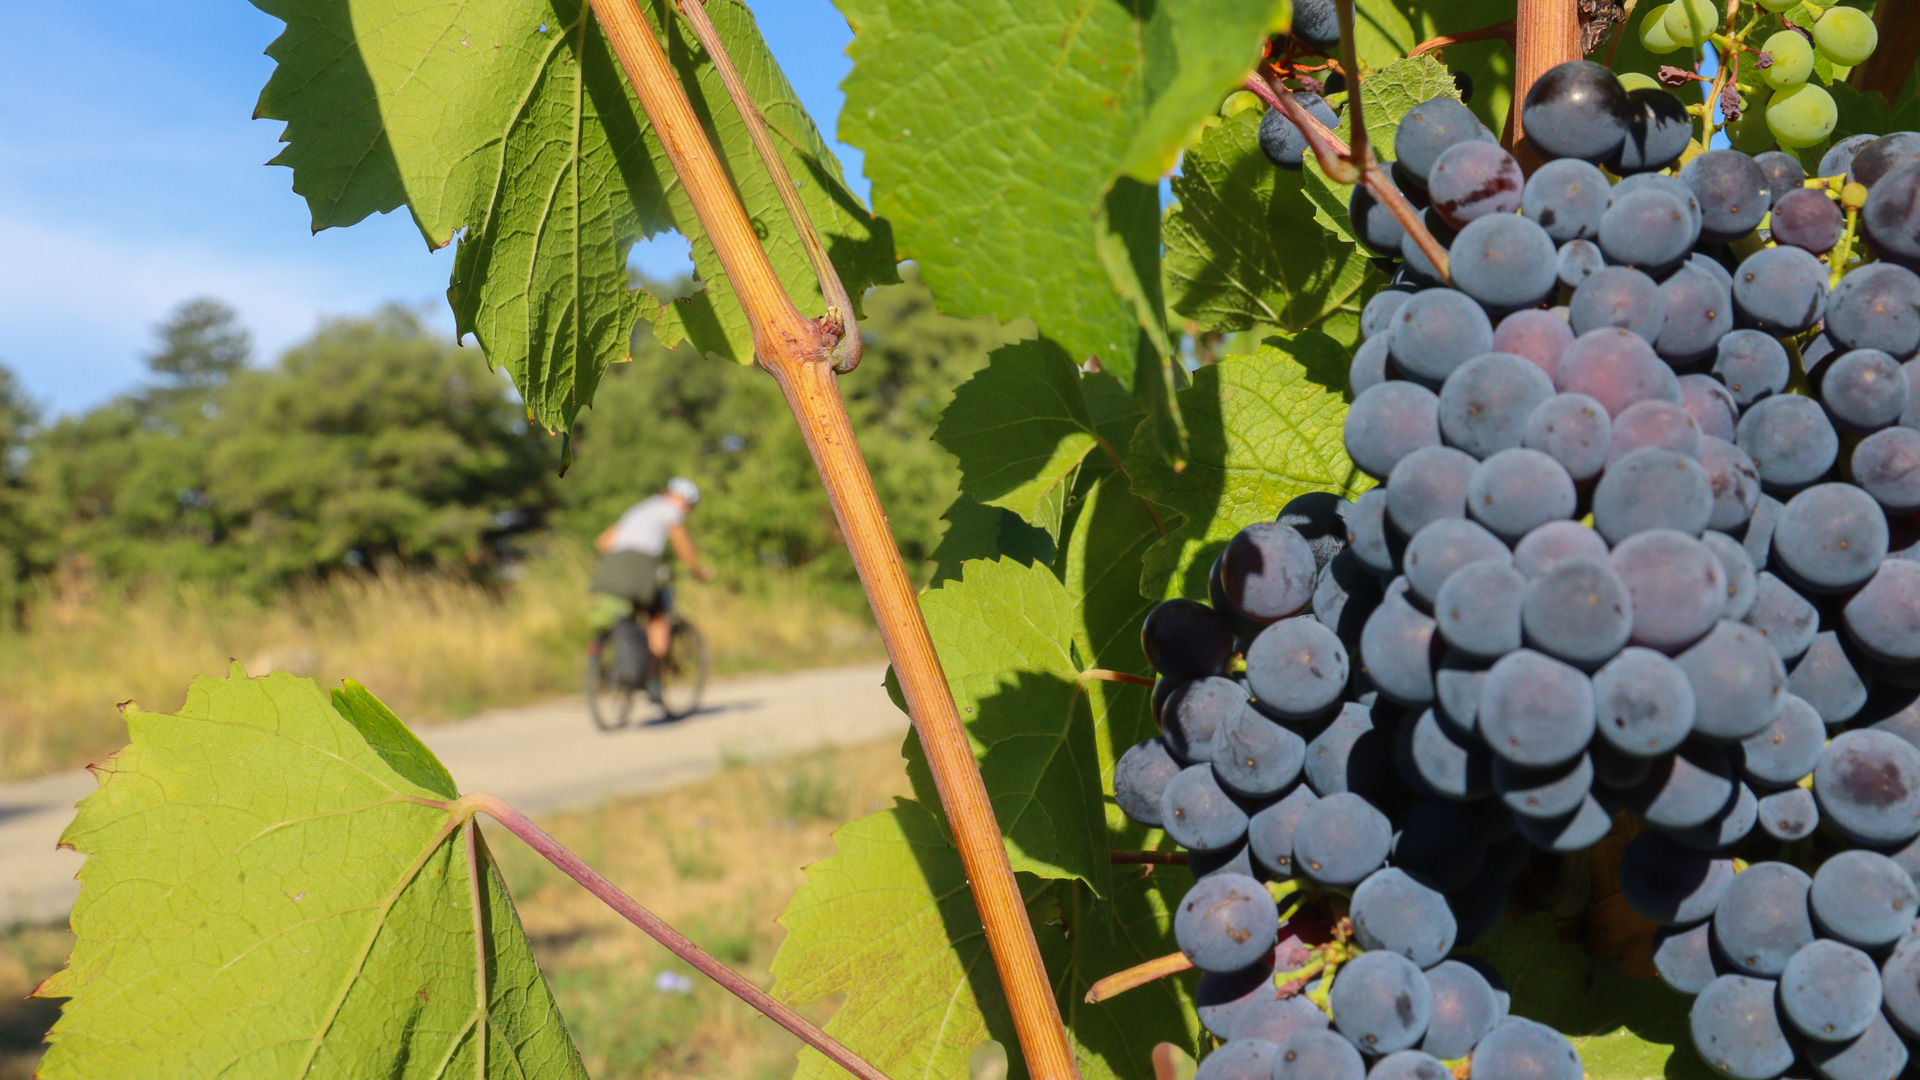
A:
(717, 859)
(431, 647)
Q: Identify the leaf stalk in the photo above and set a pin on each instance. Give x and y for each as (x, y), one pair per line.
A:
(656, 928)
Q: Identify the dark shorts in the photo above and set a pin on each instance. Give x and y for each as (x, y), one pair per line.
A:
(629, 575)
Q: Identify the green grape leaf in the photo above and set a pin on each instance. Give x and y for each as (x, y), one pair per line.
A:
(1006, 638)
(1624, 1028)
(1265, 429)
(985, 532)
(1386, 30)
(1385, 97)
(1020, 428)
(511, 129)
(994, 136)
(276, 885)
(888, 922)
(1243, 248)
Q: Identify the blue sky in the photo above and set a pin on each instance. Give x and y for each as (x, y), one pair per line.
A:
(131, 178)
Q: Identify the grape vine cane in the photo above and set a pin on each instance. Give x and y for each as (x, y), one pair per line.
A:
(1424, 692)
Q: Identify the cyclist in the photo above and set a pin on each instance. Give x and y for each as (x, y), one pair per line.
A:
(629, 577)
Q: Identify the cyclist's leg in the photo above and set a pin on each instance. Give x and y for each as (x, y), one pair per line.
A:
(659, 629)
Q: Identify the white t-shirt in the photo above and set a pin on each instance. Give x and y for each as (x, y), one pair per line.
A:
(644, 528)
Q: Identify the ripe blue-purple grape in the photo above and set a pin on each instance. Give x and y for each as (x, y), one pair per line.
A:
(1683, 958)
(1567, 198)
(1864, 899)
(1464, 1011)
(1578, 611)
(1436, 759)
(1220, 1000)
(1320, 517)
(1428, 485)
(1868, 786)
(1699, 310)
(1685, 788)
(1392, 911)
(1517, 490)
(1884, 617)
(1368, 537)
(1376, 319)
(1429, 129)
(1373, 222)
(1471, 180)
(1737, 1031)
(1316, 1055)
(1577, 110)
(1282, 141)
(1864, 390)
(1255, 757)
(1734, 480)
(1437, 331)
(1829, 681)
(1267, 573)
(1882, 156)
(1652, 489)
(1199, 814)
(1297, 669)
(1140, 778)
(1552, 542)
(1544, 793)
(1381, 1002)
(1193, 713)
(1643, 703)
(1654, 423)
(1226, 922)
(1786, 750)
(1456, 691)
(1676, 585)
(1369, 366)
(1877, 1054)
(1791, 441)
(1781, 290)
(1753, 365)
(1536, 711)
(1876, 306)
(1657, 135)
(1616, 368)
(1518, 1048)
(1274, 1019)
(1891, 217)
(1390, 421)
(1736, 570)
(1339, 840)
(1539, 336)
(1726, 828)
(1443, 547)
(1733, 192)
(1351, 754)
(1762, 919)
(1578, 261)
(1831, 538)
(1574, 430)
(1478, 608)
(1808, 219)
(1621, 297)
(1317, 24)
(1397, 647)
(1409, 1065)
(1185, 639)
(1789, 815)
(1886, 465)
(1647, 229)
(1786, 619)
(1347, 593)
(1738, 681)
(1270, 831)
(1783, 171)
(1485, 403)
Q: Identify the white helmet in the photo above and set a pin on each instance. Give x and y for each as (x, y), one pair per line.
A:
(686, 489)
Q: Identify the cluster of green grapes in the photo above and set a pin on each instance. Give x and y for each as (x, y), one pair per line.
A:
(1781, 101)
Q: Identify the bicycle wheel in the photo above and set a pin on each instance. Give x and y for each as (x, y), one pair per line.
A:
(683, 673)
(609, 703)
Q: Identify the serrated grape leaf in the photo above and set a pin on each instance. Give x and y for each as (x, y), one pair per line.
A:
(1265, 429)
(888, 921)
(985, 532)
(1386, 30)
(1385, 97)
(1624, 1028)
(1006, 637)
(1020, 428)
(1243, 248)
(994, 134)
(276, 886)
(509, 127)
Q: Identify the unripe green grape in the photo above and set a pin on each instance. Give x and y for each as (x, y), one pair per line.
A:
(1792, 60)
(1634, 80)
(1240, 101)
(1653, 31)
(1801, 115)
(1846, 36)
(1750, 134)
(1690, 22)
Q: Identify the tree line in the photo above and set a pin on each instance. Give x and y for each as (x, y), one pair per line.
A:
(378, 445)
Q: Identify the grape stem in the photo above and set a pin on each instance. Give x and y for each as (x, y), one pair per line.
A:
(1331, 154)
(1138, 975)
(1105, 675)
(1502, 31)
(799, 352)
(1147, 858)
(655, 927)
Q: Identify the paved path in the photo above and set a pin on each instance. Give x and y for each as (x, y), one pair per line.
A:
(541, 758)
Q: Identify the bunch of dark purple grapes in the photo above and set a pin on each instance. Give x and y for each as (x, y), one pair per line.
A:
(1644, 556)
